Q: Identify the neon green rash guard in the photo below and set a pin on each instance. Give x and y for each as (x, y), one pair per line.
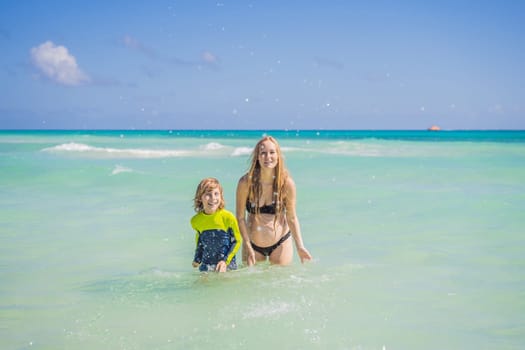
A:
(217, 238)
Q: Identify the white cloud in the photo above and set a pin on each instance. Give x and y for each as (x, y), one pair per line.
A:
(58, 64)
(131, 42)
(134, 44)
(208, 57)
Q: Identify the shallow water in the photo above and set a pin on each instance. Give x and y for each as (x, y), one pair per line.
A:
(418, 241)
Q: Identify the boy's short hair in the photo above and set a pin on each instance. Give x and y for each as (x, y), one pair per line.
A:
(204, 186)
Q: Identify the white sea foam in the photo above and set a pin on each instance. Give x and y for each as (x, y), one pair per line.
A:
(212, 146)
(105, 152)
(241, 151)
(120, 169)
(72, 146)
(268, 310)
(343, 148)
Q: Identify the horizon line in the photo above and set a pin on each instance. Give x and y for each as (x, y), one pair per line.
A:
(263, 130)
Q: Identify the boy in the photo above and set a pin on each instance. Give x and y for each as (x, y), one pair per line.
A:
(217, 232)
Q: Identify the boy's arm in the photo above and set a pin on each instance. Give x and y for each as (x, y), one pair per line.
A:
(198, 250)
(233, 229)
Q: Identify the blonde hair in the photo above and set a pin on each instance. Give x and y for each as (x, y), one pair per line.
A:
(279, 180)
(206, 185)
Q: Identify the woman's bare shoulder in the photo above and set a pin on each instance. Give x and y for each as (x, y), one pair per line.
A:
(244, 178)
(243, 181)
(290, 183)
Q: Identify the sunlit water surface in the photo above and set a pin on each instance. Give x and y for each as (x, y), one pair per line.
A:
(418, 242)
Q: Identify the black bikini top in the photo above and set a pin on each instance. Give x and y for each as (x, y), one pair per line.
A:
(265, 209)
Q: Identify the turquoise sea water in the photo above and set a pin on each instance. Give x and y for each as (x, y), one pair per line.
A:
(418, 239)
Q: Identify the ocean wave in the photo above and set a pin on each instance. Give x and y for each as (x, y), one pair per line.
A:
(121, 169)
(206, 150)
(387, 149)
(212, 146)
(105, 152)
(241, 151)
(215, 149)
(236, 152)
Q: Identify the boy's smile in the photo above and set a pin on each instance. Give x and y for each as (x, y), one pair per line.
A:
(211, 201)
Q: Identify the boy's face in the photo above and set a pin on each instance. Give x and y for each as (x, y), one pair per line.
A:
(211, 199)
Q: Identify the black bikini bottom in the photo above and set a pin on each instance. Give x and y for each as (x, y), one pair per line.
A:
(267, 251)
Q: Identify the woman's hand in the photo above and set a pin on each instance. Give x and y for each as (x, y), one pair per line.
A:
(304, 254)
(195, 264)
(250, 254)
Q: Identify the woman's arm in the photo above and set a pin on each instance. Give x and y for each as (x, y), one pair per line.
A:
(293, 221)
(248, 255)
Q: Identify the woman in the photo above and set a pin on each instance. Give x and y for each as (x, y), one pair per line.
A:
(265, 208)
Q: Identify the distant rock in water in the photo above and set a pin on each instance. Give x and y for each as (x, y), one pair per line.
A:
(434, 128)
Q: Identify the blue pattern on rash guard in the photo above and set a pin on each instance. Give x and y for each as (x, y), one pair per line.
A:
(217, 238)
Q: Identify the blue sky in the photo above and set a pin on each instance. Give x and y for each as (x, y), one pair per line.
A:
(200, 64)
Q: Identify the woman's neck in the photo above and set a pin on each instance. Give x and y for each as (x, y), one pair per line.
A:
(267, 176)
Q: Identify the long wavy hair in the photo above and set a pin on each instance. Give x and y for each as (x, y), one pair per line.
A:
(207, 184)
(279, 180)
